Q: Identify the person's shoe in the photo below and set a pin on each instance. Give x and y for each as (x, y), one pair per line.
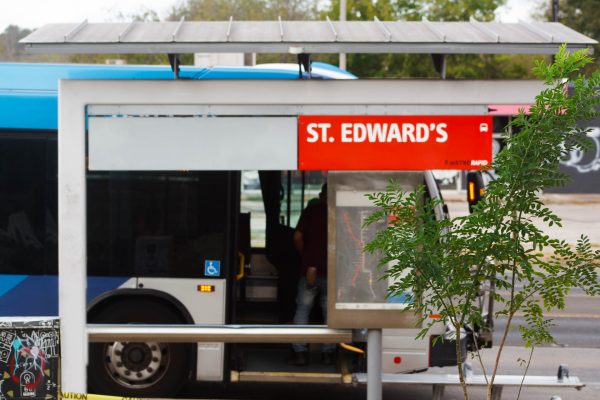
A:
(327, 358)
(300, 358)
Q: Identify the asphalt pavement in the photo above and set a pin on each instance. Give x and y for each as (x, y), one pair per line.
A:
(580, 214)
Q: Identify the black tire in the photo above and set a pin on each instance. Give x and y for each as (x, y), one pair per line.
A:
(138, 369)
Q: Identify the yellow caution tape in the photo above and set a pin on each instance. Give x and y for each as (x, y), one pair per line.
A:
(87, 396)
(352, 348)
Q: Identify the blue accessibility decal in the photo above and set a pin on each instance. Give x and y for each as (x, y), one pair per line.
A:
(212, 268)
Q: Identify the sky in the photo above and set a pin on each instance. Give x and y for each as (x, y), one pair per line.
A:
(34, 13)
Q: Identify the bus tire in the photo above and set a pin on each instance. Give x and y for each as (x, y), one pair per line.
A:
(145, 369)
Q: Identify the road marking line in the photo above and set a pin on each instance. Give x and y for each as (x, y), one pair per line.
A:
(558, 315)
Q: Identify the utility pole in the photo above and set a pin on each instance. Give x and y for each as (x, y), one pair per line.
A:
(342, 18)
(554, 18)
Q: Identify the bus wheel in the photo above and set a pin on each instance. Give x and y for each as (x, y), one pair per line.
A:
(141, 369)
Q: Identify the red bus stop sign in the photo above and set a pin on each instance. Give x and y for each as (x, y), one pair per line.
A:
(343, 142)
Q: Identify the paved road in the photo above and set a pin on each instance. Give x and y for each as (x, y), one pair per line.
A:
(578, 325)
(580, 214)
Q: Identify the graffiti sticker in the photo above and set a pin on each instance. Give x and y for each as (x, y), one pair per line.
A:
(29, 360)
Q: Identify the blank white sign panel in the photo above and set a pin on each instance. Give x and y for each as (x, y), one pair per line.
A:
(192, 143)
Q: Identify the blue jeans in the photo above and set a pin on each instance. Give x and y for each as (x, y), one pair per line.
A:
(305, 300)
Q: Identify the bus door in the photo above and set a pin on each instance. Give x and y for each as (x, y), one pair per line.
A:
(270, 206)
(271, 259)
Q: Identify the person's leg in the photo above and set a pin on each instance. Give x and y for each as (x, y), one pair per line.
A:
(322, 285)
(304, 302)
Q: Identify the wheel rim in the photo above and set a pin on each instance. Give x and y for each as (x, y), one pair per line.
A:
(136, 365)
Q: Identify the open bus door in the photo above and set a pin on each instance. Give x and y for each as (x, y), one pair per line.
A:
(266, 295)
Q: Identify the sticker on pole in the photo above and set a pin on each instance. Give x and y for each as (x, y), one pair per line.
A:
(212, 268)
(371, 142)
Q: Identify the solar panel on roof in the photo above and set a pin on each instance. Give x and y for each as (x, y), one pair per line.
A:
(181, 37)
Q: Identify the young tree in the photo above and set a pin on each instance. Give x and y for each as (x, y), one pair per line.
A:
(444, 263)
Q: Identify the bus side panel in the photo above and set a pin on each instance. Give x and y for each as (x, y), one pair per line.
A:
(37, 295)
(403, 353)
(31, 111)
(206, 307)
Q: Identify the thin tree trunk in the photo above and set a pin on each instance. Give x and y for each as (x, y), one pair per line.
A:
(459, 363)
(525, 373)
(497, 363)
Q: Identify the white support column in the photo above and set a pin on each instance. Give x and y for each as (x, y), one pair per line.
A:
(72, 240)
(374, 350)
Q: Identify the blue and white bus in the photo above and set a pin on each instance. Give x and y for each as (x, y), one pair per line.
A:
(146, 232)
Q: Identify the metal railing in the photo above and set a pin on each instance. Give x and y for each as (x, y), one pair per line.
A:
(217, 333)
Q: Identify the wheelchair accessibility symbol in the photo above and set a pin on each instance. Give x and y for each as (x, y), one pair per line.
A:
(212, 268)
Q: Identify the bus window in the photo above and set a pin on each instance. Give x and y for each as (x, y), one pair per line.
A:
(52, 206)
(300, 188)
(157, 223)
(251, 201)
(296, 190)
(28, 235)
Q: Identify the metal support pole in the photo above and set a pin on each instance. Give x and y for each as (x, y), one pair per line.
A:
(439, 63)
(289, 198)
(496, 392)
(438, 392)
(374, 350)
(303, 190)
(554, 19)
(342, 18)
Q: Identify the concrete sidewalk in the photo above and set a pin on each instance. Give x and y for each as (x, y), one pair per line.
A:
(583, 363)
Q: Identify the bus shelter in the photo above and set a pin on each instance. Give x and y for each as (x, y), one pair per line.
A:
(265, 125)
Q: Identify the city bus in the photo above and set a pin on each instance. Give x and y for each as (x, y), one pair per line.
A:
(158, 240)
